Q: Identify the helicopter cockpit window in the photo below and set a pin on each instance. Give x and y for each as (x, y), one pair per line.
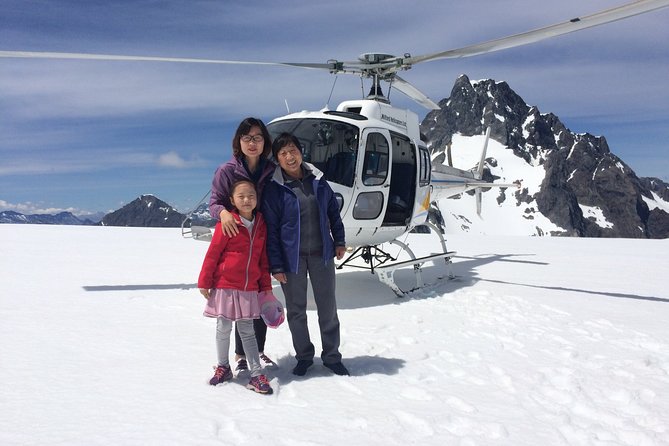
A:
(330, 145)
(375, 168)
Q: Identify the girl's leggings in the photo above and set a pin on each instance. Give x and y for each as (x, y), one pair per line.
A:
(245, 327)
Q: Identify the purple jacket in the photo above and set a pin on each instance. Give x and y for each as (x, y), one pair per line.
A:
(226, 175)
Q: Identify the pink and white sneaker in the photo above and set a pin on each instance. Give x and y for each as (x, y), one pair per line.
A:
(259, 384)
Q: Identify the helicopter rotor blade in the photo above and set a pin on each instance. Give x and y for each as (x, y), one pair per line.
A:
(575, 24)
(118, 57)
(405, 87)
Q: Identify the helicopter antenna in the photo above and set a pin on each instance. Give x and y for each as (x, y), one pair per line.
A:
(327, 104)
(287, 108)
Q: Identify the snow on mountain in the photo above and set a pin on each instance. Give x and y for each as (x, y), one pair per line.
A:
(502, 213)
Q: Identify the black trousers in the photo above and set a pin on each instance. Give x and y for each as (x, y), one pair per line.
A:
(260, 328)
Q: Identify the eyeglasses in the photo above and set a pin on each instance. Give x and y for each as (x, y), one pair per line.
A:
(254, 138)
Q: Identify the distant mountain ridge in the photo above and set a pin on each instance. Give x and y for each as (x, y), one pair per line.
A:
(145, 211)
(62, 218)
(581, 176)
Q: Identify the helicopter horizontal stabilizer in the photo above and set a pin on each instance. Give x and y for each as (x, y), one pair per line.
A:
(449, 182)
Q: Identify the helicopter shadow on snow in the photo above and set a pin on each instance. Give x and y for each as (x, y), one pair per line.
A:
(358, 288)
(141, 287)
(471, 263)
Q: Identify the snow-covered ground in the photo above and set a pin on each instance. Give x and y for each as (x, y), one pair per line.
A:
(539, 341)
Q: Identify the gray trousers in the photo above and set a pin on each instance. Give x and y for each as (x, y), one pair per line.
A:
(295, 291)
(245, 327)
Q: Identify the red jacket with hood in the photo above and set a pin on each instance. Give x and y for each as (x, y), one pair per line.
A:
(238, 262)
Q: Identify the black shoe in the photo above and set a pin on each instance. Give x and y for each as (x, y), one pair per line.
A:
(302, 366)
(242, 365)
(338, 369)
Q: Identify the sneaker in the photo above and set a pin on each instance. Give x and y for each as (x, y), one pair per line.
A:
(266, 360)
(222, 373)
(302, 366)
(338, 369)
(259, 384)
(242, 365)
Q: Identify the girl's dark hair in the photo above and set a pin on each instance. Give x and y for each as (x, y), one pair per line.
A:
(284, 140)
(239, 183)
(244, 129)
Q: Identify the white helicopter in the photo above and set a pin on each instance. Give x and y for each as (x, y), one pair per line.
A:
(372, 153)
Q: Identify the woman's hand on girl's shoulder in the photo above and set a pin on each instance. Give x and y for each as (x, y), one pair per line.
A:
(205, 292)
(228, 224)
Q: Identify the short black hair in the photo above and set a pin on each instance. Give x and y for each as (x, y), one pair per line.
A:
(283, 140)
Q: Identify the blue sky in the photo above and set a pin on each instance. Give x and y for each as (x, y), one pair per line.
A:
(90, 136)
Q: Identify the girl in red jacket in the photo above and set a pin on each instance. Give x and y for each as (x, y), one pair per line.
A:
(234, 275)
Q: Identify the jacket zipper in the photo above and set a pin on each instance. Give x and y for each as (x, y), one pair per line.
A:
(252, 236)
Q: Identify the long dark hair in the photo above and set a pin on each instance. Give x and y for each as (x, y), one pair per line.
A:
(243, 129)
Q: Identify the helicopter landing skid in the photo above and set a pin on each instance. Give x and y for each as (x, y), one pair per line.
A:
(386, 273)
(377, 261)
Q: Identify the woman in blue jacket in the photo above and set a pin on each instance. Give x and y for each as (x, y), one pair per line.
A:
(304, 234)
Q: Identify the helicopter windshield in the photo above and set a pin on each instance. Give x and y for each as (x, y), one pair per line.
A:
(329, 145)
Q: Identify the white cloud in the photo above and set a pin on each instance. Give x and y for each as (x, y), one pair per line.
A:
(173, 159)
(101, 160)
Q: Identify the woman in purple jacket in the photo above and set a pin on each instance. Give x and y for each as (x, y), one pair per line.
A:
(251, 147)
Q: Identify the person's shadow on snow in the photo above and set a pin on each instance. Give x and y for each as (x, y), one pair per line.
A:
(357, 366)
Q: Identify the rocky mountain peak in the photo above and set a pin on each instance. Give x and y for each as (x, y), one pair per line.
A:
(580, 174)
(145, 211)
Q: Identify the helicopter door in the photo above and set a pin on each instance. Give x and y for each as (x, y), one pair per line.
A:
(371, 195)
(402, 192)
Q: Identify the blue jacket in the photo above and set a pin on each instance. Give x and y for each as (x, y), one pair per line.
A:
(282, 215)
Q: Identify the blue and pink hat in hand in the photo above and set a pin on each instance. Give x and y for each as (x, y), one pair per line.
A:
(271, 309)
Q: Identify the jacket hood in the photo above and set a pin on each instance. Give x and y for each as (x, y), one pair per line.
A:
(278, 176)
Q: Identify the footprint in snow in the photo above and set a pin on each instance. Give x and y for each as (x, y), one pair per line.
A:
(414, 424)
(458, 404)
(415, 394)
